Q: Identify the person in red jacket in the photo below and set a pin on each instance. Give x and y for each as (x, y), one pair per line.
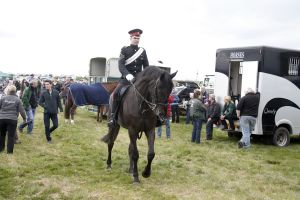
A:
(167, 121)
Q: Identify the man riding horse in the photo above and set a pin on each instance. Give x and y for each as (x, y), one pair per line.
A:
(131, 62)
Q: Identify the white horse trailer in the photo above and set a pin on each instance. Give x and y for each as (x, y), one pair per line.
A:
(274, 73)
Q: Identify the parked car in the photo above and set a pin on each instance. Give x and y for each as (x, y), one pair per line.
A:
(189, 84)
(183, 92)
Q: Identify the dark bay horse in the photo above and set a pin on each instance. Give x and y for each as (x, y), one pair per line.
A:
(70, 105)
(144, 102)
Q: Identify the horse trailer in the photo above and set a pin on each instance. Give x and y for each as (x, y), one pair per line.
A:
(103, 70)
(274, 73)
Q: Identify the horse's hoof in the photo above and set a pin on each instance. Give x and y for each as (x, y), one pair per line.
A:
(136, 181)
(66, 121)
(72, 122)
(146, 174)
(108, 167)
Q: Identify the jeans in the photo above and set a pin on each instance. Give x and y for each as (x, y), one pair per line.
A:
(7, 126)
(29, 119)
(247, 124)
(197, 126)
(168, 130)
(54, 119)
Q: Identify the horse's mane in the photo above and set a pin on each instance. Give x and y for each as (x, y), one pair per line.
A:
(111, 82)
(149, 73)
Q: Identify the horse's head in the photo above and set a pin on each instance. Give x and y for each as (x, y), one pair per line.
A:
(163, 88)
(155, 85)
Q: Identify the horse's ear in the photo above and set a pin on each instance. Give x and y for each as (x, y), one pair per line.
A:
(174, 74)
(162, 77)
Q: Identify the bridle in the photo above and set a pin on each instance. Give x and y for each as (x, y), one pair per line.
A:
(153, 104)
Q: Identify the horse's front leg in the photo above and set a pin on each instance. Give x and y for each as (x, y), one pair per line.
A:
(134, 156)
(109, 147)
(151, 154)
(130, 150)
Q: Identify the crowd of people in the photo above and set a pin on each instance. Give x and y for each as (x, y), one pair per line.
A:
(23, 97)
(203, 109)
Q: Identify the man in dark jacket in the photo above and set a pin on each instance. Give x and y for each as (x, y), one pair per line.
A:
(213, 115)
(56, 84)
(247, 110)
(50, 101)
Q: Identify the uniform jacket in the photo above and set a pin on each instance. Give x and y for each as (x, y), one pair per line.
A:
(136, 66)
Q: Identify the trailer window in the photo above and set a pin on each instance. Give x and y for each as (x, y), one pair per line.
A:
(293, 66)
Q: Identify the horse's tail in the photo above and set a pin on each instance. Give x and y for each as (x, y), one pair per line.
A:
(112, 134)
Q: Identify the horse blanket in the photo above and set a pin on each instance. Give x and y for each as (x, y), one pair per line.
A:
(94, 94)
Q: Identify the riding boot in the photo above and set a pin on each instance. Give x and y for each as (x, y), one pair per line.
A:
(112, 117)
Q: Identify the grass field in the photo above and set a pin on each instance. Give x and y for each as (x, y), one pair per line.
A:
(74, 166)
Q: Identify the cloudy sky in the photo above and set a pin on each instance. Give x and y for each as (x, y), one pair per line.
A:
(60, 36)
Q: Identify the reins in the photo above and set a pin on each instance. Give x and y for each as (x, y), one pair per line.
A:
(151, 105)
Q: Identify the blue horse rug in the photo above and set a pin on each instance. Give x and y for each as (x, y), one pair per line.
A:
(94, 94)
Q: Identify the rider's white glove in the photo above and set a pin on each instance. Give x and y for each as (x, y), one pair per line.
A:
(129, 77)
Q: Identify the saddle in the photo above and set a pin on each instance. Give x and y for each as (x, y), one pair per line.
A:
(117, 98)
(121, 92)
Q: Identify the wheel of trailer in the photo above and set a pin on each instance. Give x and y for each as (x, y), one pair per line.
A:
(281, 137)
